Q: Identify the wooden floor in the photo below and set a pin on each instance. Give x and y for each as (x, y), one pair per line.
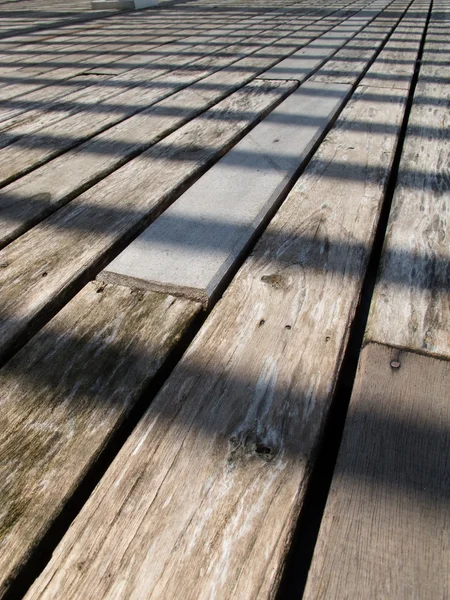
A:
(224, 300)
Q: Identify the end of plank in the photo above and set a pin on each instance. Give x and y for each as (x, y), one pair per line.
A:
(122, 4)
(386, 526)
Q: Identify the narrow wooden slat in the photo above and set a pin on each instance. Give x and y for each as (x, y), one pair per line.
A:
(313, 55)
(27, 152)
(43, 82)
(412, 293)
(26, 201)
(202, 500)
(386, 527)
(38, 105)
(166, 32)
(44, 264)
(351, 61)
(66, 394)
(117, 64)
(395, 65)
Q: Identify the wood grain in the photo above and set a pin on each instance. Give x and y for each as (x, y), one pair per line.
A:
(166, 54)
(349, 63)
(39, 193)
(385, 533)
(65, 394)
(411, 301)
(43, 266)
(46, 106)
(386, 529)
(202, 500)
(21, 153)
(395, 64)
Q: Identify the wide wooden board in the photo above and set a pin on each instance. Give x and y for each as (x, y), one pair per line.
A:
(386, 529)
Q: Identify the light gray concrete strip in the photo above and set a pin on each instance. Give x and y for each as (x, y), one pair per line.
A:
(191, 247)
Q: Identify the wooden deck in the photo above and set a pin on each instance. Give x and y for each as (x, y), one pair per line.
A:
(224, 300)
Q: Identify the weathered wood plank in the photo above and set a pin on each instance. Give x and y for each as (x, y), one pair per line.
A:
(190, 248)
(247, 403)
(352, 61)
(27, 152)
(19, 83)
(46, 106)
(395, 64)
(44, 264)
(411, 300)
(64, 396)
(315, 54)
(26, 201)
(171, 33)
(386, 527)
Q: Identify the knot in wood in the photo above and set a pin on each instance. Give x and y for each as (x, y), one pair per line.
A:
(278, 281)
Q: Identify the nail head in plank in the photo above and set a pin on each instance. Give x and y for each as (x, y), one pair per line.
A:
(385, 533)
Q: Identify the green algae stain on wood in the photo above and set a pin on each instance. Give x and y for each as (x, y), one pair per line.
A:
(66, 392)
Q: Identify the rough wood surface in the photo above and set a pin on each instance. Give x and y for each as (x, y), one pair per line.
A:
(26, 201)
(167, 53)
(46, 106)
(411, 302)
(24, 152)
(385, 533)
(386, 529)
(41, 267)
(349, 63)
(202, 500)
(64, 395)
(395, 64)
(192, 246)
(301, 63)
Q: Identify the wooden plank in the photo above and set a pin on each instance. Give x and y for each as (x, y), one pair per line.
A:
(386, 526)
(24, 153)
(124, 63)
(57, 417)
(299, 23)
(246, 404)
(81, 236)
(412, 293)
(162, 59)
(315, 54)
(395, 64)
(26, 201)
(30, 79)
(19, 82)
(190, 249)
(349, 63)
